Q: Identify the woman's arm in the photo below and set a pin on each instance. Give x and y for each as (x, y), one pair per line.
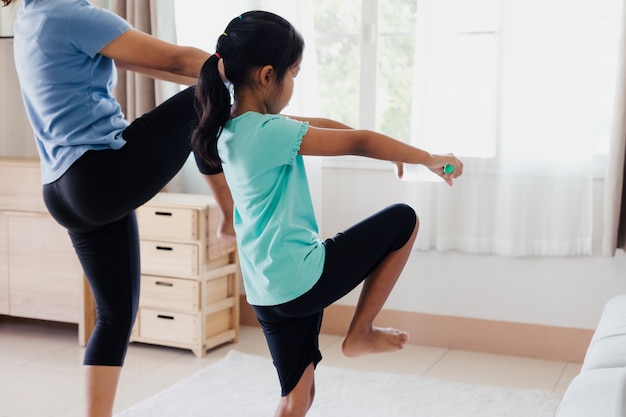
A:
(143, 53)
(336, 142)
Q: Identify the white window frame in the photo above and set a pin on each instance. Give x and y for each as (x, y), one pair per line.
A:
(367, 95)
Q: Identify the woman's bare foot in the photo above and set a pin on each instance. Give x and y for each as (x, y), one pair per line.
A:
(376, 340)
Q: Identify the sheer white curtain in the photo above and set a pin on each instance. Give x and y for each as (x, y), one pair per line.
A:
(522, 92)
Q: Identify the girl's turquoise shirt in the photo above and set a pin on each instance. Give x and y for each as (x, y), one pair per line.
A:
(280, 252)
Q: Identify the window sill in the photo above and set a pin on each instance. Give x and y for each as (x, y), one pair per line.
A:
(599, 168)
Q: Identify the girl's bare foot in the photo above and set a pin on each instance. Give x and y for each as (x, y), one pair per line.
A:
(376, 340)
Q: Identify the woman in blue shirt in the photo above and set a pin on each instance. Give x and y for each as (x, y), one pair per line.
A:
(290, 274)
(96, 166)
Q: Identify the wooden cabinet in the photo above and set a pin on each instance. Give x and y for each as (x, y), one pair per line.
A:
(190, 278)
(40, 275)
(44, 271)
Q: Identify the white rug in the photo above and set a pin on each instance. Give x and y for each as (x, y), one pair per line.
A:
(245, 385)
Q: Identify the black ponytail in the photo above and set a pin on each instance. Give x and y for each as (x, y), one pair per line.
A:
(252, 40)
(213, 106)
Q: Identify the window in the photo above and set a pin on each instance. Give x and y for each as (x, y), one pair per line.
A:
(465, 75)
(365, 51)
(521, 90)
(451, 75)
(457, 73)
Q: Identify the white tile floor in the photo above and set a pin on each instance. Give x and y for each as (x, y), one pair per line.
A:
(41, 372)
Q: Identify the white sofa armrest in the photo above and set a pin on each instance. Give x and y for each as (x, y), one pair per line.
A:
(595, 393)
(608, 344)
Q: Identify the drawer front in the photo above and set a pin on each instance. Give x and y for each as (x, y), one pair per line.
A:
(170, 293)
(169, 259)
(168, 326)
(168, 223)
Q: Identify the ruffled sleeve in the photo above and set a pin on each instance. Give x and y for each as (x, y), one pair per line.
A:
(281, 138)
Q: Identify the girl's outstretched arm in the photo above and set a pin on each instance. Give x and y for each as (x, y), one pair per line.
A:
(366, 143)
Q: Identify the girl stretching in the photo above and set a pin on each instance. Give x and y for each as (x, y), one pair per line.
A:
(290, 274)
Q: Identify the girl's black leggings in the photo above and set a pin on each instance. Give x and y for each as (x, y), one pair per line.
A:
(95, 200)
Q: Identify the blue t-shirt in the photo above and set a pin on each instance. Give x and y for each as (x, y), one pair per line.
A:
(280, 253)
(66, 84)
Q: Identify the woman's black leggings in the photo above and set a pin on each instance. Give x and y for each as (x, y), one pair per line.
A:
(95, 200)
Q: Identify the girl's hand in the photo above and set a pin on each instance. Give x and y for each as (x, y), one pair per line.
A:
(399, 168)
(438, 164)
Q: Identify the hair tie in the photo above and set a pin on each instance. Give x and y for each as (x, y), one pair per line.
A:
(224, 33)
(217, 55)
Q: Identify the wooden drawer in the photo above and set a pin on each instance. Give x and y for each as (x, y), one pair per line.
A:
(170, 293)
(167, 326)
(164, 222)
(179, 216)
(189, 296)
(169, 259)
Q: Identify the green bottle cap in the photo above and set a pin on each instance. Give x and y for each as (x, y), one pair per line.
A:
(448, 169)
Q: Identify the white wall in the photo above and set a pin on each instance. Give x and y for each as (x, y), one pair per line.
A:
(562, 292)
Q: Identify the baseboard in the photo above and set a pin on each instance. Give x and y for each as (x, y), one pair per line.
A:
(490, 336)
